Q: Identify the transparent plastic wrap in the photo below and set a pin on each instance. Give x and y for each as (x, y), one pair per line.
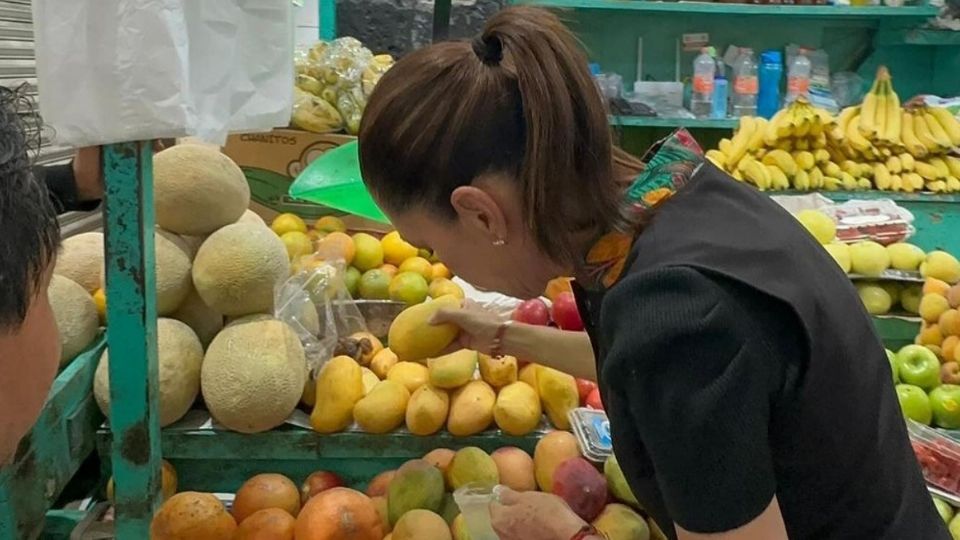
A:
(938, 455)
(316, 303)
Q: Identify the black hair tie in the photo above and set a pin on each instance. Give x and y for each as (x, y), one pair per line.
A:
(489, 49)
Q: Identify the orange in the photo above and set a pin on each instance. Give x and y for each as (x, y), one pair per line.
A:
(192, 515)
(390, 270)
(935, 286)
(369, 252)
(266, 491)
(297, 243)
(440, 270)
(330, 224)
(267, 524)
(285, 223)
(418, 265)
(337, 245)
(339, 514)
(396, 249)
(408, 287)
(375, 285)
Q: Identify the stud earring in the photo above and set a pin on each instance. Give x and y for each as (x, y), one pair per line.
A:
(499, 242)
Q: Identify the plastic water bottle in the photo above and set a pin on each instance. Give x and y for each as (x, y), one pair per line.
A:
(746, 84)
(798, 77)
(770, 75)
(721, 95)
(704, 71)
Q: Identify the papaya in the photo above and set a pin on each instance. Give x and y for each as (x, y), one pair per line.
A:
(339, 388)
(413, 338)
(528, 374)
(471, 409)
(427, 410)
(417, 485)
(620, 522)
(453, 370)
(558, 392)
(498, 372)
(383, 409)
(471, 465)
(517, 409)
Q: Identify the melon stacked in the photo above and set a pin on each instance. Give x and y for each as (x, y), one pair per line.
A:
(413, 502)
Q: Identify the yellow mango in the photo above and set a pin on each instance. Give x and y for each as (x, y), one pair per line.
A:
(382, 362)
(427, 410)
(410, 374)
(471, 409)
(339, 388)
(413, 338)
(382, 410)
(558, 392)
(517, 409)
(529, 375)
(370, 380)
(453, 370)
(498, 372)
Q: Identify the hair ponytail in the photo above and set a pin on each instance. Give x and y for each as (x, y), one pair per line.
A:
(518, 100)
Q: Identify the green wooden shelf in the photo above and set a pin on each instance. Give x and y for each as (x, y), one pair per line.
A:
(740, 9)
(896, 332)
(919, 36)
(653, 121)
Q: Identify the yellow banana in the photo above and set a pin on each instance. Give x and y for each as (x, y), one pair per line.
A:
(737, 175)
(832, 169)
(953, 164)
(882, 176)
(864, 184)
(909, 137)
(936, 130)
(725, 145)
(866, 170)
(915, 181)
(953, 184)
(904, 184)
(741, 139)
(855, 138)
(718, 158)
(778, 180)
(816, 178)
(756, 137)
(843, 121)
(949, 123)
(848, 182)
(755, 172)
(801, 181)
(805, 160)
(866, 122)
(781, 159)
(777, 128)
(943, 170)
(851, 167)
(927, 171)
(880, 116)
(940, 186)
(821, 156)
(891, 131)
(894, 165)
(922, 130)
(801, 144)
(832, 184)
(906, 161)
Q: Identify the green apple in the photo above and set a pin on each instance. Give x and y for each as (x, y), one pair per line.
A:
(875, 298)
(910, 298)
(945, 404)
(919, 366)
(914, 403)
(904, 256)
(892, 358)
(943, 508)
(955, 527)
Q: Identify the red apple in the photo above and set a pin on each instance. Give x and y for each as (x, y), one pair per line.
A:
(533, 312)
(593, 400)
(318, 482)
(565, 312)
(584, 387)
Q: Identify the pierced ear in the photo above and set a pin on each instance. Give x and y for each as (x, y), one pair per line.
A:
(478, 210)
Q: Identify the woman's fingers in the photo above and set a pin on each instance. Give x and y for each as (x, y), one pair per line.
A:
(505, 496)
(447, 316)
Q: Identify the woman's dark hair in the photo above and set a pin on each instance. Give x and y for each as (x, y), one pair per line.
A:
(518, 100)
(31, 233)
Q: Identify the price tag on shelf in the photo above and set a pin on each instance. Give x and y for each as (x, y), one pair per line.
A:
(592, 429)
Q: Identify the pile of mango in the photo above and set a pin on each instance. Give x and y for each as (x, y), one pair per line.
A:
(413, 382)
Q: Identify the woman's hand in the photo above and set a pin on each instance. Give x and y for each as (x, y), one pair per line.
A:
(478, 327)
(533, 515)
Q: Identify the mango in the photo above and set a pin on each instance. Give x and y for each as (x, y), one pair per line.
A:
(453, 370)
(552, 450)
(617, 482)
(529, 375)
(382, 362)
(581, 486)
(656, 533)
(370, 380)
(427, 410)
(471, 465)
(417, 485)
(380, 503)
(339, 388)
(459, 529)
(498, 372)
(558, 392)
(440, 458)
(412, 337)
(515, 467)
(620, 522)
(421, 524)
(517, 409)
(471, 409)
(410, 374)
(383, 409)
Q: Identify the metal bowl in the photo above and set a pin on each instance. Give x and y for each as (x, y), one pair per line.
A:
(379, 314)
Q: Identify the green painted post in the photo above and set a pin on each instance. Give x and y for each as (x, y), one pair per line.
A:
(328, 19)
(132, 335)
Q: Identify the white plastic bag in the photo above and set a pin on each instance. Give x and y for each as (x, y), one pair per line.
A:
(124, 70)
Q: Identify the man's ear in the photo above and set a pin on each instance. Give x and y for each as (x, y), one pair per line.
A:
(479, 212)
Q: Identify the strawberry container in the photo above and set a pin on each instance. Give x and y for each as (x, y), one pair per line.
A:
(938, 455)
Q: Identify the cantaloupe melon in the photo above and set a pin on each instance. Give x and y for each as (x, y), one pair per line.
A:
(249, 216)
(179, 356)
(76, 316)
(80, 259)
(172, 267)
(197, 189)
(253, 375)
(192, 243)
(238, 267)
(203, 319)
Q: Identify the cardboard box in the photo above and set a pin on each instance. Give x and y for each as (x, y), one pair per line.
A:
(272, 160)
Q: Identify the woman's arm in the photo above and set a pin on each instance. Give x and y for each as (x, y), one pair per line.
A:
(570, 352)
(76, 186)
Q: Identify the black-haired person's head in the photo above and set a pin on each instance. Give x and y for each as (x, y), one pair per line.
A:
(29, 239)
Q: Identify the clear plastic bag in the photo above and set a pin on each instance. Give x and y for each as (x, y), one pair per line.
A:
(315, 302)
